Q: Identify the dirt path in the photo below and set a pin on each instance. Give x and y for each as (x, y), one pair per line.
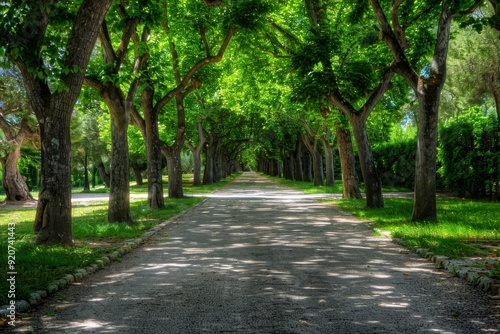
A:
(260, 258)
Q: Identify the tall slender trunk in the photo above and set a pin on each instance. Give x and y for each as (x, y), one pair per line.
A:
(329, 163)
(308, 166)
(350, 182)
(424, 207)
(86, 184)
(174, 167)
(119, 188)
(317, 159)
(208, 175)
(196, 151)
(104, 174)
(153, 152)
(373, 184)
(298, 169)
(173, 152)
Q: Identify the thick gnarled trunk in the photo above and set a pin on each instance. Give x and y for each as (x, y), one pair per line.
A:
(14, 184)
(53, 216)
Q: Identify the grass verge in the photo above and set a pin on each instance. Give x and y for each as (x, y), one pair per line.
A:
(38, 266)
(465, 228)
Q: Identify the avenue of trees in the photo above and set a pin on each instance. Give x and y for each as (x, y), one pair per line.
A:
(366, 93)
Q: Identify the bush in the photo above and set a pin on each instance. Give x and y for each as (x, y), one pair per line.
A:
(469, 154)
(396, 163)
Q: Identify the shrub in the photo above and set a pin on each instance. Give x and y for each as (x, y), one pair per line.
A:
(469, 154)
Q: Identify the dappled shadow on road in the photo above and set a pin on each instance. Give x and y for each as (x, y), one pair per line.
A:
(272, 264)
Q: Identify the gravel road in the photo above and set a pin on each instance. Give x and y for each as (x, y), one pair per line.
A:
(261, 258)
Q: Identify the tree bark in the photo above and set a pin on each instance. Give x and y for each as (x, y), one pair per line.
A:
(13, 182)
(173, 152)
(317, 159)
(196, 151)
(350, 182)
(298, 169)
(104, 174)
(373, 184)
(329, 162)
(208, 175)
(53, 216)
(308, 166)
(86, 183)
(153, 152)
(424, 208)
(119, 190)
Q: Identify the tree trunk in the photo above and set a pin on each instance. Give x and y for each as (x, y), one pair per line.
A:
(86, 183)
(373, 184)
(307, 163)
(317, 159)
(196, 151)
(13, 182)
(137, 174)
(153, 152)
(424, 207)
(350, 183)
(330, 173)
(196, 168)
(119, 190)
(52, 224)
(104, 174)
(208, 175)
(174, 166)
(298, 169)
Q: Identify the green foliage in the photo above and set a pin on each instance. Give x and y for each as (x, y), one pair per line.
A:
(470, 154)
(395, 162)
(246, 14)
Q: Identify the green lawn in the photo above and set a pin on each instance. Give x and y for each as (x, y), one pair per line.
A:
(38, 266)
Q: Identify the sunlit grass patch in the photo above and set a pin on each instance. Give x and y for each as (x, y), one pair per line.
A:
(462, 228)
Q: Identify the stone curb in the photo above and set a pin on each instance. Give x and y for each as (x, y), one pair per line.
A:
(79, 274)
(469, 269)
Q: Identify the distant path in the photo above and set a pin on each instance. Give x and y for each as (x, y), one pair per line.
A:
(260, 258)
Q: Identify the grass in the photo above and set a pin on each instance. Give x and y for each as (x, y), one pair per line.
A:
(38, 266)
(464, 228)
(310, 188)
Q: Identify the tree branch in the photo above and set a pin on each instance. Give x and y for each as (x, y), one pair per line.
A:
(213, 59)
(107, 46)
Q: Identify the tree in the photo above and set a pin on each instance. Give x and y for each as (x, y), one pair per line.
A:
(18, 125)
(426, 84)
(53, 76)
(111, 85)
